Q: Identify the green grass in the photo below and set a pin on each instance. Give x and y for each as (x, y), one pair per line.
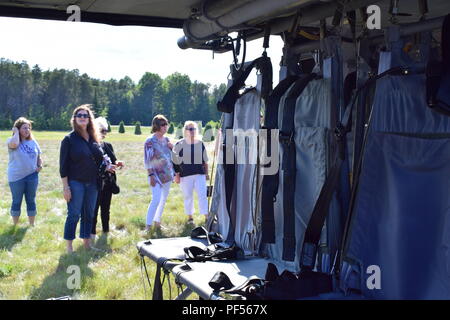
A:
(33, 262)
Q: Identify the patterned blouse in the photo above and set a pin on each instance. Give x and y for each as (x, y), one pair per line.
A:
(158, 156)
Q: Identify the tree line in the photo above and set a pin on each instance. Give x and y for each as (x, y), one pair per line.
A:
(49, 97)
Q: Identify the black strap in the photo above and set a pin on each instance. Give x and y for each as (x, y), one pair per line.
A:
(337, 17)
(229, 174)
(290, 286)
(90, 145)
(270, 182)
(437, 70)
(229, 99)
(321, 208)
(435, 75)
(227, 105)
(445, 43)
(197, 254)
(275, 286)
(349, 87)
(202, 233)
(251, 289)
(351, 16)
(288, 165)
(220, 281)
(362, 109)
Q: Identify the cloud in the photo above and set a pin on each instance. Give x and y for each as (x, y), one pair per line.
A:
(105, 52)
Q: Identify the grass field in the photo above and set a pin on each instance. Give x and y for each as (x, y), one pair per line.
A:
(33, 262)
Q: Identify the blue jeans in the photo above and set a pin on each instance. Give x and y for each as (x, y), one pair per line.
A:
(24, 187)
(81, 205)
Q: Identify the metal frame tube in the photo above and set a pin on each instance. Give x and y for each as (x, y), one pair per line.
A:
(309, 15)
(184, 295)
(405, 30)
(199, 30)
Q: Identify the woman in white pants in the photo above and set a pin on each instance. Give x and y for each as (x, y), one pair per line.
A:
(191, 170)
(158, 162)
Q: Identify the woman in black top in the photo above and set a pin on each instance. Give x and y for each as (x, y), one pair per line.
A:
(191, 170)
(106, 190)
(80, 160)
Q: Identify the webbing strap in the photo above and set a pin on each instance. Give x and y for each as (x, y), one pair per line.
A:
(220, 281)
(229, 99)
(321, 208)
(289, 165)
(289, 286)
(270, 182)
(436, 71)
(434, 80)
(229, 171)
(445, 43)
(197, 254)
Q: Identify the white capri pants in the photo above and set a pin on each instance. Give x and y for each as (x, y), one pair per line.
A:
(188, 184)
(156, 206)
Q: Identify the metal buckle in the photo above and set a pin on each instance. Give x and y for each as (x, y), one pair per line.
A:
(286, 138)
(339, 131)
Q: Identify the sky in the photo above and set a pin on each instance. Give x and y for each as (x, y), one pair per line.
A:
(106, 52)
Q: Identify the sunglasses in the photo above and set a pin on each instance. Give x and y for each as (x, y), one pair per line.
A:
(191, 129)
(103, 131)
(164, 124)
(82, 115)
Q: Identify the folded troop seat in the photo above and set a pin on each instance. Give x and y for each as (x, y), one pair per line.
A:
(397, 243)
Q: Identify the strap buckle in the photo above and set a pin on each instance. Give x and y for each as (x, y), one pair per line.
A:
(286, 138)
(340, 131)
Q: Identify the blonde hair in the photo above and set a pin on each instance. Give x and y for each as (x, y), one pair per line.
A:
(91, 127)
(20, 122)
(101, 123)
(189, 123)
(157, 122)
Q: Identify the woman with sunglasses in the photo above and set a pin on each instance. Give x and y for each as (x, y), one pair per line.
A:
(80, 158)
(108, 178)
(23, 168)
(191, 167)
(158, 163)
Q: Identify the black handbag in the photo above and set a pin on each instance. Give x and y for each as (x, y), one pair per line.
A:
(115, 189)
(109, 179)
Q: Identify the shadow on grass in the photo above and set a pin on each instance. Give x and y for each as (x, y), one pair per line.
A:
(138, 223)
(171, 231)
(60, 282)
(12, 236)
(187, 229)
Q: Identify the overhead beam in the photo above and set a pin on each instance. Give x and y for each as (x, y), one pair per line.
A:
(309, 14)
(95, 17)
(405, 30)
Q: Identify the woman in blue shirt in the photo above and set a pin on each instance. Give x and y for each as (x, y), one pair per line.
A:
(24, 165)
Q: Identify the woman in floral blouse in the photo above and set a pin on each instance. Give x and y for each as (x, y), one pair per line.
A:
(158, 162)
